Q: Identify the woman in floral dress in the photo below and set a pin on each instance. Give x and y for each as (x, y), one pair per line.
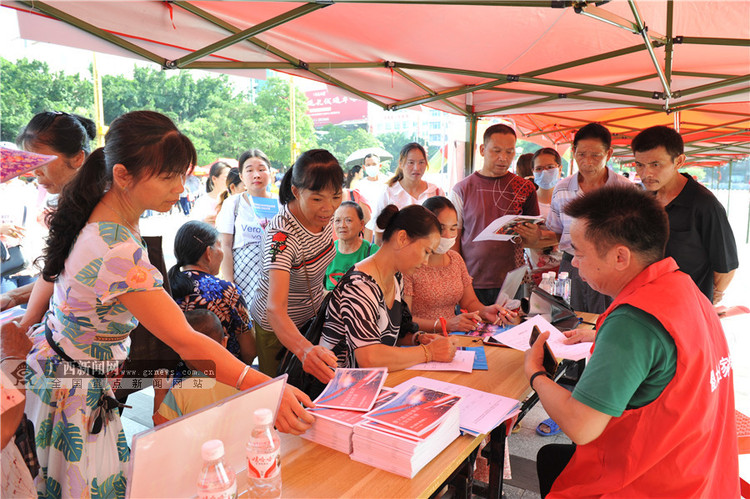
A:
(195, 285)
(103, 286)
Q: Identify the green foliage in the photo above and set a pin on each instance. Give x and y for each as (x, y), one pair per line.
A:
(28, 87)
(220, 121)
(341, 142)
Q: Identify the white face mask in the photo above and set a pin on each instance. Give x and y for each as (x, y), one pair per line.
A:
(547, 179)
(372, 170)
(446, 243)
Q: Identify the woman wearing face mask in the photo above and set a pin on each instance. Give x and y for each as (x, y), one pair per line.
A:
(367, 320)
(348, 222)
(433, 290)
(543, 254)
(406, 186)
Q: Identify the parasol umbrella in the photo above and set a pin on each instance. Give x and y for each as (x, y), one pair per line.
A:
(358, 156)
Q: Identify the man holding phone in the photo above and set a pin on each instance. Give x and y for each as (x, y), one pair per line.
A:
(644, 424)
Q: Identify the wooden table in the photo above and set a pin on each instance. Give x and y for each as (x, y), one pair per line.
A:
(312, 470)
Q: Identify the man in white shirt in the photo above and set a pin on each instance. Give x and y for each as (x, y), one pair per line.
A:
(372, 186)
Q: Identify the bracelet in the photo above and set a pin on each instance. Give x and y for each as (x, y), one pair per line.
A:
(434, 326)
(538, 373)
(427, 354)
(242, 377)
(305, 352)
(415, 340)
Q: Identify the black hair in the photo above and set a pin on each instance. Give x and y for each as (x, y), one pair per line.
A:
(399, 175)
(436, 204)
(546, 150)
(595, 131)
(233, 179)
(357, 208)
(252, 153)
(190, 243)
(314, 170)
(416, 220)
(353, 171)
(67, 134)
(524, 165)
(656, 136)
(623, 215)
(217, 168)
(206, 322)
(371, 155)
(146, 143)
(497, 128)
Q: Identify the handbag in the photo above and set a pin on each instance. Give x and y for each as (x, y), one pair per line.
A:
(12, 259)
(292, 366)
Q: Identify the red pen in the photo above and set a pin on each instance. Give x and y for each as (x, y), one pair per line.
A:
(444, 324)
(464, 311)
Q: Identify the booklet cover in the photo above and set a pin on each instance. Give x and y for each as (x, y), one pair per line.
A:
(503, 228)
(348, 417)
(353, 389)
(265, 209)
(484, 329)
(415, 411)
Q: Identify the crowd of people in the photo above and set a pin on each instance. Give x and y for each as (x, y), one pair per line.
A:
(402, 264)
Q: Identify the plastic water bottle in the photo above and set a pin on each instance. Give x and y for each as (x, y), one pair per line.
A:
(562, 287)
(548, 282)
(263, 457)
(216, 480)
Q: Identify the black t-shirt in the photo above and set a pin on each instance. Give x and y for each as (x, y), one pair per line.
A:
(700, 238)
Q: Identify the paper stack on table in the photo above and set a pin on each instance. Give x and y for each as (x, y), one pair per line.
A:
(480, 412)
(406, 433)
(462, 362)
(333, 427)
(518, 339)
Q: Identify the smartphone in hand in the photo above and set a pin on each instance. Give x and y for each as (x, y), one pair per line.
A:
(549, 361)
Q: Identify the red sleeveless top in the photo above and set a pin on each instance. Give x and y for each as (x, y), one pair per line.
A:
(684, 443)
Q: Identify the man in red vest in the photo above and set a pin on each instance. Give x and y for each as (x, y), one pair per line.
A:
(653, 413)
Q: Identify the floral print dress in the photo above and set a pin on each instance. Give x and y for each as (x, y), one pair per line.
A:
(90, 325)
(224, 299)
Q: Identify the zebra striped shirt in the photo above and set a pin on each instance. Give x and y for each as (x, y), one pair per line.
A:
(290, 247)
(357, 316)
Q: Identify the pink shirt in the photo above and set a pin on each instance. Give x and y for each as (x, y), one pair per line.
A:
(436, 291)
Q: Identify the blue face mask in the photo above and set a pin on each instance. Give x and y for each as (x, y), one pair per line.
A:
(547, 179)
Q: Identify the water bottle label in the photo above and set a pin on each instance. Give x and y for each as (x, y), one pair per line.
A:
(228, 493)
(263, 465)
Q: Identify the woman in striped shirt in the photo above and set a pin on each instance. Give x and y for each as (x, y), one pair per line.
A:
(367, 316)
(298, 247)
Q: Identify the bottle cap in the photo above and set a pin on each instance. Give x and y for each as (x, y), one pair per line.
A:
(263, 416)
(212, 450)
(563, 275)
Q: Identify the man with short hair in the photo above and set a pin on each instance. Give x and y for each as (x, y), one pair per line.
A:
(481, 198)
(592, 148)
(373, 184)
(645, 424)
(700, 238)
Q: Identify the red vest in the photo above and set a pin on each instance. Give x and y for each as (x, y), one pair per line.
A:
(684, 443)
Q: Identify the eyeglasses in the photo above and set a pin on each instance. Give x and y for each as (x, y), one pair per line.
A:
(541, 168)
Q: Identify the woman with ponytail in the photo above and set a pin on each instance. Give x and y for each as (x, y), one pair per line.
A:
(297, 249)
(367, 320)
(194, 286)
(67, 136)
(103, 286)
(241, 223)
(216, 184)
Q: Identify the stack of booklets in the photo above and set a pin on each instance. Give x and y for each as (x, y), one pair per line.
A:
(406, 433)
(333, 427)
(346, 399)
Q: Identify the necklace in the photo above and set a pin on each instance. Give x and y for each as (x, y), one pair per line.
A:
(132, 229)
(386, 289)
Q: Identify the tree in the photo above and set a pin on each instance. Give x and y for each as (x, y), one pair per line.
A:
(274, 116)
(28, 88)
(394, 141)
(341, 142)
